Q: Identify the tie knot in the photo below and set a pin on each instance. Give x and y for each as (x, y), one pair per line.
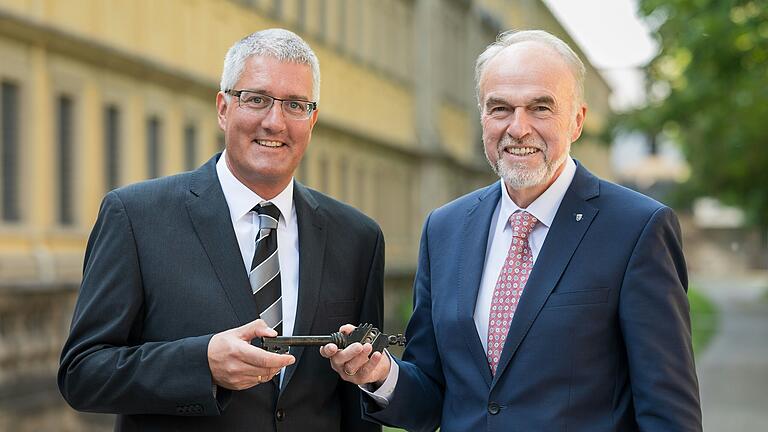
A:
(268, 213)
(522, 224)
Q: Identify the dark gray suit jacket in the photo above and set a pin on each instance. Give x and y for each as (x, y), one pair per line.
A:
(163, 273)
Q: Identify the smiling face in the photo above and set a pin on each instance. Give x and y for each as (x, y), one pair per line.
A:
(264, 149)
(529, 116)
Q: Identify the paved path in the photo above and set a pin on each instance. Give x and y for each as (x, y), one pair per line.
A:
(733, 371)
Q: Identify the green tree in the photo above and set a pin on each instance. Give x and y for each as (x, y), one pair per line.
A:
(708, 91)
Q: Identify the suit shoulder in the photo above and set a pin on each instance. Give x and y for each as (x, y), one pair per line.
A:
(343, 213)
(155, 191)
(628, 199)
(463, 203)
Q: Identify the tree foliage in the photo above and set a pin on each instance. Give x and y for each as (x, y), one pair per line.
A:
(708, 91)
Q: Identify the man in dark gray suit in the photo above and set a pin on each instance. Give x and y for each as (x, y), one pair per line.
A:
(179, 269)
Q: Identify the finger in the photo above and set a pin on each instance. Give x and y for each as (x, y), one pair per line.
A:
(257, 380)
(357, 362)
(255, 329)
(329, 350)
(367, 373)
(262, 375)
(259, 358)
(369, 368)
(347, 353)
(243, 377)
(341, 357)
(347, 328)
(248, 376)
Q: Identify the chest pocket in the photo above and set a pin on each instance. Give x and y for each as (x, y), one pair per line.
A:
(576, 298)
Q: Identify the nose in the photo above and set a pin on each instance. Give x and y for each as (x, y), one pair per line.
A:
(519, 124)
(274, 119)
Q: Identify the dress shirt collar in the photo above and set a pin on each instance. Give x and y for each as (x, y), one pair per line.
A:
(545, 206)
(241, 200)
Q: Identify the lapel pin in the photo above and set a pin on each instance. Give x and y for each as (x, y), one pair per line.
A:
(578, 216)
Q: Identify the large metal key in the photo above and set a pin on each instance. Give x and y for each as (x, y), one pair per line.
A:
(364, 333)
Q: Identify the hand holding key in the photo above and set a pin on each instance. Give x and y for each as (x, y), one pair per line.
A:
(360, 359)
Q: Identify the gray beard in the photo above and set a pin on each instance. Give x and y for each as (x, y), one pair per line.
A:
(519, 176)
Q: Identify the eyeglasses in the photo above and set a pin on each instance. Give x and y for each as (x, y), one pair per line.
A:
(259, 103)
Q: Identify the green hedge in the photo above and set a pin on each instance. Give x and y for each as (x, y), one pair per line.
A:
(704, 319)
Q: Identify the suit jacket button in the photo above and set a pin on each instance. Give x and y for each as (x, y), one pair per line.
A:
(280, 414)
(493, 408)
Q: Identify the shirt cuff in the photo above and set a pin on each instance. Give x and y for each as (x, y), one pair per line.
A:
(383, 394)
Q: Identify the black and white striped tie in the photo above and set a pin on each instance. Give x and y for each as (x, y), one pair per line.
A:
(265, 268)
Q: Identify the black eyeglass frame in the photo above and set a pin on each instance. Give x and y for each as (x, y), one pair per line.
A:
(311, 105)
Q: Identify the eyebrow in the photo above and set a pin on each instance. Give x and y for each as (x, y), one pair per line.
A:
(289, 97)
(495, 101)
(546, 100)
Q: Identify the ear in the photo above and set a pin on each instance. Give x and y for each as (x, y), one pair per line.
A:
(221, 109)
(313, 119)
(581, 114)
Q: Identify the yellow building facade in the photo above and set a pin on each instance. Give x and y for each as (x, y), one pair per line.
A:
(95, 94)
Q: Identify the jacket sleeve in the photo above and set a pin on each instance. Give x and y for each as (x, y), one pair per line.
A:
(655, 324)
(417, 401)
(104, 367)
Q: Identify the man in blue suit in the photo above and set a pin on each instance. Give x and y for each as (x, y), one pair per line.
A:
(549, 301)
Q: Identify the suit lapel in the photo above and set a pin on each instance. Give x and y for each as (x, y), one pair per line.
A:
(209, 213)
(474, 241)
(312, 238)
(563, 238)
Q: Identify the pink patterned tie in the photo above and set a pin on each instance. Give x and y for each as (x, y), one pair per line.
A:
(509, 287)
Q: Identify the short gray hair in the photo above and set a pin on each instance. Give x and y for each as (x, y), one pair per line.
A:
(281, 44)
(512, 37)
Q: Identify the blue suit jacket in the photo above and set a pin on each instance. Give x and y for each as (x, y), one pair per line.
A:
(601, 338)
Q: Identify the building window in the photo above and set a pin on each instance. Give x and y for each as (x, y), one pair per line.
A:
(360, 184)
(342, 10)
(154, 161)
(301, 175)
(360, 34)
(221, 141)
(190, 147)
(301, 15)
(9, 151)
(111, 146)
(322, 169)
(65, 160)
(344, 180)
(322, 19)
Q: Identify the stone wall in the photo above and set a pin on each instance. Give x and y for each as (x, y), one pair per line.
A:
(34, 321)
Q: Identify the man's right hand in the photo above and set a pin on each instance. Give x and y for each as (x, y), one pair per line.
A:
(353, 364)
(236, 364)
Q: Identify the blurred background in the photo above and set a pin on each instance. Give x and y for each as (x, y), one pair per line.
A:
(95, 94)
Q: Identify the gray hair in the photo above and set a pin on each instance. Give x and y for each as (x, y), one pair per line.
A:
(512, 37)
(281, 44)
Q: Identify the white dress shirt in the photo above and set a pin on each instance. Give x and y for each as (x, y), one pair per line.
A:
(241, 200)
(544, 209)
